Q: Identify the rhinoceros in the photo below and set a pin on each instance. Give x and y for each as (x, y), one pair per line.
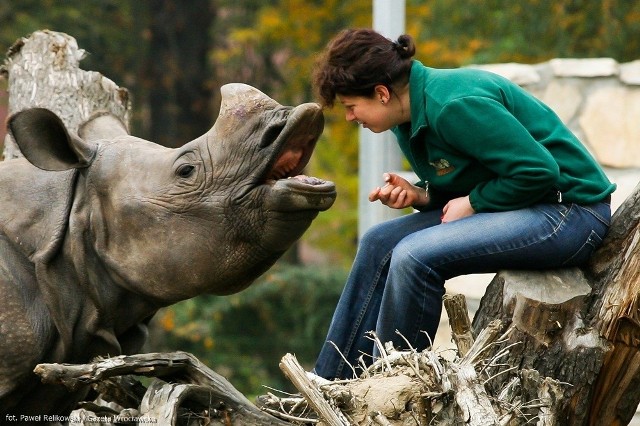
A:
(100, 229)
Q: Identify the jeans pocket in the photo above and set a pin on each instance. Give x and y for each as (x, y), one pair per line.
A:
(600, 211)
(585, 251)
(555, 214)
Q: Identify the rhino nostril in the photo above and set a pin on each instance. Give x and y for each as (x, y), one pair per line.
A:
(271, 134)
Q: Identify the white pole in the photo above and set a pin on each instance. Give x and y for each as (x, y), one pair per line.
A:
(378, 152)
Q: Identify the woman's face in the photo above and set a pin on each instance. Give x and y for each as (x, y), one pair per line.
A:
(370, 112)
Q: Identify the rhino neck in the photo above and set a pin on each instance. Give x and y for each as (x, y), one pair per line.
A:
(93, 315)
(91, 306)
(38, 221)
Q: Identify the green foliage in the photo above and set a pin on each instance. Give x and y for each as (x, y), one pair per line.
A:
(104, 28)
(244, 336)
(459, 32)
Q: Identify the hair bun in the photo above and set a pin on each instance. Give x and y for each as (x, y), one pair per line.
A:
(405, 46)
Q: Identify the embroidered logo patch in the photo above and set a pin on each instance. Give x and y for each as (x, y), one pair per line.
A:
(442, 167)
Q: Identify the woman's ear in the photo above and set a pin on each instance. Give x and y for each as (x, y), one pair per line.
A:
(382, 92)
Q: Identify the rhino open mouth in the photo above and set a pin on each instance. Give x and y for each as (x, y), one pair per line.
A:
(294, 138)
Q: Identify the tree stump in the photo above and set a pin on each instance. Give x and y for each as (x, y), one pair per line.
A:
(43, 71)
(580, 326)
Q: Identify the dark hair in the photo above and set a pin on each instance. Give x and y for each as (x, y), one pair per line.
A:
(356, 60)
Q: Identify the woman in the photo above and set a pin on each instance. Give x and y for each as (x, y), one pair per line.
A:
(503, 185)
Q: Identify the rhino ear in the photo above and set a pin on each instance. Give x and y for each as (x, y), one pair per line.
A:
(45, 142)
(102, 125)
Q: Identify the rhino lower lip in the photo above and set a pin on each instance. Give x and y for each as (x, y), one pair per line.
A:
(301, 193)
(309, 180)
(303, 182)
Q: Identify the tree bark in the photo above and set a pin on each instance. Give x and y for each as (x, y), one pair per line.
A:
(456, 306)
(615, 314)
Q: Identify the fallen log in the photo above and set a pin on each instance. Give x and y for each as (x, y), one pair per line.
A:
(191, 389)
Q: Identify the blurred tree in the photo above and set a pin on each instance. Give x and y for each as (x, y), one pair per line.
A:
(175, 73)
(158, 49)
(106, 29)
(103, 27)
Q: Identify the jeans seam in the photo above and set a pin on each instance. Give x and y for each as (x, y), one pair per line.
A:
(538, 241)
(595, 214)
(589, 242)
(365, 305)
(418, 323)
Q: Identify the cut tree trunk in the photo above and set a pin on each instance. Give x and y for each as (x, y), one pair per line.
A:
(580, 326)
(43, 71)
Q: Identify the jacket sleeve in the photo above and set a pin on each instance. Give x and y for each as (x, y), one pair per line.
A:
(483, 128)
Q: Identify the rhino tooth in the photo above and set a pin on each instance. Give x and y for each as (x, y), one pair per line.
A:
(309, 180)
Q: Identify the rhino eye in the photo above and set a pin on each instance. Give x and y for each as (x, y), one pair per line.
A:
(185, 170)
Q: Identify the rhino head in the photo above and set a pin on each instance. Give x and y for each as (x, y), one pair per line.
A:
(208, 217)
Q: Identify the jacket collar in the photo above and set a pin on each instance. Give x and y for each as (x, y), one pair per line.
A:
(418, 100)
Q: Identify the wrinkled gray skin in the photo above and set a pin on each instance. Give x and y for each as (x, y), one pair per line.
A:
(100, 230)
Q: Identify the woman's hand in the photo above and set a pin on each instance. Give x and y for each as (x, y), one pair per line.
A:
(457, 209)
(398, 193)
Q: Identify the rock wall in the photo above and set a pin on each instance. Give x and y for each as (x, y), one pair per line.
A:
(599, 99)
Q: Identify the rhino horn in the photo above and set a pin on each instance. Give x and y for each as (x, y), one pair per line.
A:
(240, 102)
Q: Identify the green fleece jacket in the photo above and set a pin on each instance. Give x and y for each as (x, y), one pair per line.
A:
(475, 133)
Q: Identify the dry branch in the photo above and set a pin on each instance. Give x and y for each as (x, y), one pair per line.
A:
(456, 306)
(197, 384)
(421, 388)
(298, 377)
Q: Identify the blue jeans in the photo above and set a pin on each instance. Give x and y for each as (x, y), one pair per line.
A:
(398, 276)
